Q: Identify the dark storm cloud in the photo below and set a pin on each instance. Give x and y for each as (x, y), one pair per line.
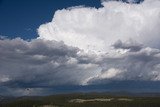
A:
(41, 63)
(130, 45)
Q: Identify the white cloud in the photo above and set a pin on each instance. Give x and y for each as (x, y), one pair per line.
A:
(97, 29)
(111, 73)
(4, 78)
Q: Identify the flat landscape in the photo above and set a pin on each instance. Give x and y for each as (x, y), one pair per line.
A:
(84, 100)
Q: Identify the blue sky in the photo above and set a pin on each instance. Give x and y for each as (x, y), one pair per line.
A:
(21, 18)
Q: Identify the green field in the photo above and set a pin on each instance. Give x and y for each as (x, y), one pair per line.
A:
(83, 100)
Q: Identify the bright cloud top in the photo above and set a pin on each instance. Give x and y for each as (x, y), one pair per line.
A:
(97, 29)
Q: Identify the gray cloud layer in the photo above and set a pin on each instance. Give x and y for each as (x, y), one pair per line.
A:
(40, 61)
(39, 64)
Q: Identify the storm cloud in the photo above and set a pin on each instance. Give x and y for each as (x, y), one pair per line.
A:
(40, 64)
(85, 46)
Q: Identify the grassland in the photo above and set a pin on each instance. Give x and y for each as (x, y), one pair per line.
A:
(83, 100)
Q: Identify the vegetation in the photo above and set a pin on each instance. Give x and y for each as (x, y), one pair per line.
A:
(83, 100)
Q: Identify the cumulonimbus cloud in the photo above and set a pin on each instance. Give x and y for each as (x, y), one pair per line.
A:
(131, 29)
(96, 29)
(84, 46)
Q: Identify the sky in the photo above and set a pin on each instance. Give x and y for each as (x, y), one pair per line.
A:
(49, 47)
(22, 18)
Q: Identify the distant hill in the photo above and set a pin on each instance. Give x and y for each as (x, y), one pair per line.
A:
(94, 99)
